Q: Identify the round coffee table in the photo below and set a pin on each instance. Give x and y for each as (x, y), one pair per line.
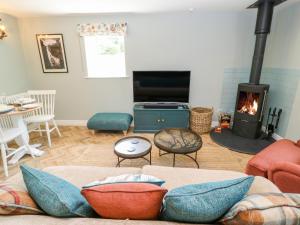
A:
(132, 147)
(178, 141)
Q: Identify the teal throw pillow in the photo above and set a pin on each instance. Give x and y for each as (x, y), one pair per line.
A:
(54, 195)
(128, 178)
(204, 203)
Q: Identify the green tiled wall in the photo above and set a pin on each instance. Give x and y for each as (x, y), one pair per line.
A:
(283, 87)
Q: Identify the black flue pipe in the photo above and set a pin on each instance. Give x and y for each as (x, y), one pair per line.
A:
(258, 58)
(262, 29)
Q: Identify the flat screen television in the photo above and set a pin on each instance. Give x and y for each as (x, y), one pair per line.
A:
(161, 86)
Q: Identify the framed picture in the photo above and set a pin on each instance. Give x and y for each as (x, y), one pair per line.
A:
(52, 53)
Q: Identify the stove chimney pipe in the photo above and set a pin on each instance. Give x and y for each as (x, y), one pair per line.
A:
(263, 28)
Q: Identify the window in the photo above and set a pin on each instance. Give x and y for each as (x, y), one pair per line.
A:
(104, 56)
(103, 48)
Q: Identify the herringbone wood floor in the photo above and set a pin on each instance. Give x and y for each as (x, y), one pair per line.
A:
(78, 146)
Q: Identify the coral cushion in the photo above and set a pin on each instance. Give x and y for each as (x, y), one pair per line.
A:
(138, 201)
(298, 143)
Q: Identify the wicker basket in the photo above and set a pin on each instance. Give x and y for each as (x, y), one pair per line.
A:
(201, 119)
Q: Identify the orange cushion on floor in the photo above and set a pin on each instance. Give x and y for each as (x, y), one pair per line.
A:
(137, 201)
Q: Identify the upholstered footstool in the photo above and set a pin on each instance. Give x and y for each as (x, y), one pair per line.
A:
(110, 121)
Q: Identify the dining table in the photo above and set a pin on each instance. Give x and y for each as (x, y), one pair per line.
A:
(17, 116)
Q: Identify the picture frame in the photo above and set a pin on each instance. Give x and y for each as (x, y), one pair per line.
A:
(52, 53)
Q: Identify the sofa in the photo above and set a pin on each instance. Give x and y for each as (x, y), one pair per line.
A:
(280, 163)
(174, 177)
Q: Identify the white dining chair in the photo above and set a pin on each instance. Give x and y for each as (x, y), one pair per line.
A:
(11, 99)
(44, 115)
(3, 99)
(8, 134)
(5, 121)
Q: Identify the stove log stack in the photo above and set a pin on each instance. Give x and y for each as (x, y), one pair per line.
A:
(252, 96)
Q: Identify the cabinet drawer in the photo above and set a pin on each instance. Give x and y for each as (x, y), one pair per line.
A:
(155, 120)
(175, 119)
(147, 120)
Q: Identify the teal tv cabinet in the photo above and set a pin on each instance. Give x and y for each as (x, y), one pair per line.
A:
(153, 120)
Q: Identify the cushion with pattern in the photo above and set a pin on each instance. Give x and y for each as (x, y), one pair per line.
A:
(265, 209)
(15, 200)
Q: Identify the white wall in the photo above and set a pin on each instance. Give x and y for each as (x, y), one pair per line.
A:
(12, 67)
(284, 41)
(293, 131)
(283, 51)
(203, 42)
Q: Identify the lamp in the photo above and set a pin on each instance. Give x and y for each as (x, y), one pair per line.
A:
(3, 33)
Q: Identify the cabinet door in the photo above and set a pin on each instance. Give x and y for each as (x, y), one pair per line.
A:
(147, 120)
(174, 119)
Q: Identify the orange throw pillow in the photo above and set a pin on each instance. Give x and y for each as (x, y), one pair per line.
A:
(137, 201)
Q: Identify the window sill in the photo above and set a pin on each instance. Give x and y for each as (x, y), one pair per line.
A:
(91, 77)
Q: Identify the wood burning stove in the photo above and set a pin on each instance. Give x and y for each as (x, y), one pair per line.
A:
(249, 109)
(251, 97)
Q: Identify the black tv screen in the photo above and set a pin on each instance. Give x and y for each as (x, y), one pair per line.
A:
(161, 86)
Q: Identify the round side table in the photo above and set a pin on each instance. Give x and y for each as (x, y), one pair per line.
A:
(132, 147)
(178, 141)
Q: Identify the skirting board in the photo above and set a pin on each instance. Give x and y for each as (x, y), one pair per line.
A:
(214, 123)
(82, 123)
(77, 123)
(275, 136)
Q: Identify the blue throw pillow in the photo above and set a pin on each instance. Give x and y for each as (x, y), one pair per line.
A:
(204, 203)
(128, 178)
(54, 195)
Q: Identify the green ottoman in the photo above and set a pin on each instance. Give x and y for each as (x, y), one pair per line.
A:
(110, 121)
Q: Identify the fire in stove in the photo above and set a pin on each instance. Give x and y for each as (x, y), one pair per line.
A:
(248, 103)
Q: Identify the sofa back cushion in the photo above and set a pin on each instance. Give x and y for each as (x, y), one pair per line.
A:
(54, 195)
(174, 177)
(177, 177)
(82, 175)
(138, 201)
